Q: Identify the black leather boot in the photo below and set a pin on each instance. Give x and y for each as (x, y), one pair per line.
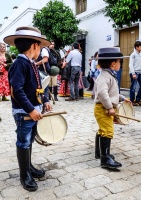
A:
(106, 160)
(50, 89)
(81, 93)
(36, 173)
(97, 147)
(26, 178)
(55, 93)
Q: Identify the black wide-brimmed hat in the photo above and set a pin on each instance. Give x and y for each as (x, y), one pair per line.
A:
(110, 53)
(26, 32)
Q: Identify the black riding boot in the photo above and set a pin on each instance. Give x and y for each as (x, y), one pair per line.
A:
(26, 178)
(97, 147)
(36, 173)
(55, 93)
(50, 89)
(81, 93)
(106, 160)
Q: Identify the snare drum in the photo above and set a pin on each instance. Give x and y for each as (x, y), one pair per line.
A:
(51, 129)
(126, 109)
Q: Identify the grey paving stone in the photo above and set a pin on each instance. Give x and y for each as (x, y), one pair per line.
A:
(93, 194)
(70, 197)
(79, 159)
(96, 181)
(120, 196)
(4, 176)
(56, 173)
(13, 192)
(68, 189)
(77, 167)
(119, 186)
(7, 167)
(43, 195)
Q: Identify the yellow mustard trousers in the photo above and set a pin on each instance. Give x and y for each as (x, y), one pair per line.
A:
(105, 122)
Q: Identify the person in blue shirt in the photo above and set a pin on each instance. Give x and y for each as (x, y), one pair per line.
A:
(27, 99)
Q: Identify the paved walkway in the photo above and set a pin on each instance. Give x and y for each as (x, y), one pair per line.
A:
(72, 172)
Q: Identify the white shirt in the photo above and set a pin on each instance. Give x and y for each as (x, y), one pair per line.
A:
(93, 65)
(135, 62)
(75, 57)
(44, 53)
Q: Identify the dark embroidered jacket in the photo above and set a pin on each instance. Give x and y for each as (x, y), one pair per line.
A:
(24, 84)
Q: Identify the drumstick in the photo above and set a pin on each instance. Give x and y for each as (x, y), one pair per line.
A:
(47, 114)
(126, 117)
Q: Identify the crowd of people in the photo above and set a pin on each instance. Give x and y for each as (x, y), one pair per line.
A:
(21, 79)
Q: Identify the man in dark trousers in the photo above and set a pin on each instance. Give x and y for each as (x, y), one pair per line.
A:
(75, 58)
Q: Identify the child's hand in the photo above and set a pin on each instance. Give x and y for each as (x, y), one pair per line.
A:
(47, 106)
(35, 115)
(127, 100)
(111, 112)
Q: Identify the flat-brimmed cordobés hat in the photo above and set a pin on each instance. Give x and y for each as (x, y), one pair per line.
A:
(110, 53)
(29, 33)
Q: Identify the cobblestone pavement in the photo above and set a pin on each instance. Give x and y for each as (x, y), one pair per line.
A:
(72, 172)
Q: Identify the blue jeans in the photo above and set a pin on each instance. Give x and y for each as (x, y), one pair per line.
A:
(119, 73)
(26, 131)
(74, 81)
(46, 92)
(133, 88)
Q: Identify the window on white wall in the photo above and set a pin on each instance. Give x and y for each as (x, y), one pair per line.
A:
(81, 6)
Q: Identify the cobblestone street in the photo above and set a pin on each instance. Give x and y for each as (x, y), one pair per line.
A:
(72, 172)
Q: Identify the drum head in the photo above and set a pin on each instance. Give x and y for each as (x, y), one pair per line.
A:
(52, 129)
(45, 82)
(126, 109)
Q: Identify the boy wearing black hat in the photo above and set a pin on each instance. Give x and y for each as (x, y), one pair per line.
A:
(27, 99)
(106, 100)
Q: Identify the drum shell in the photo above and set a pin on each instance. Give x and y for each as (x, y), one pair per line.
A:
(126, 109)
(51, 129)
(45, 79)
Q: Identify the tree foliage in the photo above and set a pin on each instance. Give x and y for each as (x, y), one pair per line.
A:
(57, 22)
(14, 50)
(123, 12)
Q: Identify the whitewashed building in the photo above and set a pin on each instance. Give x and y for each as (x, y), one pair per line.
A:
(96, 30)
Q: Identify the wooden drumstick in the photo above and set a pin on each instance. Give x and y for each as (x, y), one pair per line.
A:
(126, 117)
(47, 114)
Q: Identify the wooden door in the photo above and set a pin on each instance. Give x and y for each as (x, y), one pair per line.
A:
(127, 38)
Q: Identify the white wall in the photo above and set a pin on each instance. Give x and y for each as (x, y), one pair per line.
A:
(21, 17)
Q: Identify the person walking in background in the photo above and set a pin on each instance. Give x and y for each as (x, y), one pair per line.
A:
(89, 78)
(43, 64)
(5, 63)
(75, 59)
(119, 73)
(81, 86)
(27, 99)
(64, 89)
(54, 58)
(135, 74)
(93, 70)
